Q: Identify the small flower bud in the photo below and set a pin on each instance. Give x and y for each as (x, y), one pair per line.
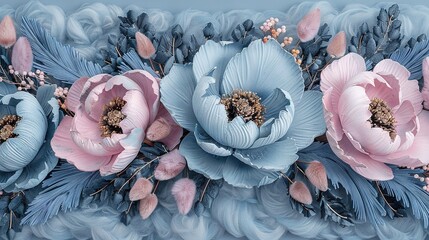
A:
(7, 32)
(145, 47)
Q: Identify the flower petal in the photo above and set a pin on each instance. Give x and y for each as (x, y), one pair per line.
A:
(73, 96)
(213, 119)
(277, 156)
(239, 174)
(213, 55)
(136, 117)
(425, 90)
(209, 145)
(308, 121)
(9, 178)
(131, 145)
(200, 161)
(150, 87)
(337, 74)
(280, 113)
(65, 148)
(257, 69)
(177, 89)
(91, 83)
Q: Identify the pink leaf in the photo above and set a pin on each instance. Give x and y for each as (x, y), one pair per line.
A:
(316, 173)
(141, 189)
(22, 56)
(7, 32)
(158, 130)
(170, 165)
(184, 193)
(145, 47)
(147, 205)
(309, 25)
(337, 46)
(425, 90)
(299, 191)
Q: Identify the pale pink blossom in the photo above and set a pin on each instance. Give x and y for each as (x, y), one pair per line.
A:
(374, 117)
(316, 173)
(7, 32)
(184, 193)
(299, 191)
(309, 25)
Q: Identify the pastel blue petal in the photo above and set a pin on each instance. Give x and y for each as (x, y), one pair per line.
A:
(17, 152)
(6, 110)
(209, 145)
(200, 161)
(280, 112)
(211, 115)
(277, 156)
(240, 174)
(35, 172)
(176, 95)
(44, 94)
(213, 55)
(261, 68)
(309, 121)
(8, 178)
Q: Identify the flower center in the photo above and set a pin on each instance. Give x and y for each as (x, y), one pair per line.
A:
(7, 125)
(245, 104)
(111, 117)
(382, 116)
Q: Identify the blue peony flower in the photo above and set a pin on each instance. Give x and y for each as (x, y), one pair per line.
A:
(27, 125)
(246, 110)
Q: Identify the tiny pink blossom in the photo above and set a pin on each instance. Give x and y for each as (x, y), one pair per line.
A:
(170, 165)
(7, 32)
(144, 46)
(316, 173)
(337, 46)
(147, 205)
(141, 189)
(299, 191)
(309, 25)
(22, 55)
(184, 193)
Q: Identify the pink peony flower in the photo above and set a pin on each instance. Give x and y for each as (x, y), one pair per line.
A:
(112, 114)
(374, 118)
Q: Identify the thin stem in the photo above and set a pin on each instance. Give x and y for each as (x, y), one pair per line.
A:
(136, 172)
(156, 186)
(339, 215)
(129, 207)
(385, 200)
(101, 189)
(204, 190)
(283, 175)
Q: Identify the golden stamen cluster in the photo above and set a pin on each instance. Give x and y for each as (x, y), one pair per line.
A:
(7, 125)
(245, 104)
(111, 117)
(382, 116)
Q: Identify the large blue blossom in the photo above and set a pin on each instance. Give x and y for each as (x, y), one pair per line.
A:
(244, 153)
(27, 124)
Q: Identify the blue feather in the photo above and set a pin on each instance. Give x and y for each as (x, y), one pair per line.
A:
(62, 191)
(63, 62)
(132, 61)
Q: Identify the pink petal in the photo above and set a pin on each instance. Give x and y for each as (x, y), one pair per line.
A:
(184, 193)
(158, 130)
(332, 120)
(170, 165)
(65, 148)
(150, 88)
(141, 189)
(144, 47)
(89, 85)
(136, 111)
(309, 25)
(147, 205)
(131, 145)
(316, 173)
(299, 191)
(425, 90)
(73, 96)
(22, 55)
(7, 32)
(175, 133)
(337, 75)
(337, 46)
(383, 87)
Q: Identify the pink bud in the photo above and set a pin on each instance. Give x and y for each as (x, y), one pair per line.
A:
(145, 47)
(147, 205)
(158, 130)
(141, 189)
(337, 46)
(7, 32)
(316, 173)
(309, 25)
(184, 193)
(299, 191)
(22, 56)
(425, 90)
(170, 165)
